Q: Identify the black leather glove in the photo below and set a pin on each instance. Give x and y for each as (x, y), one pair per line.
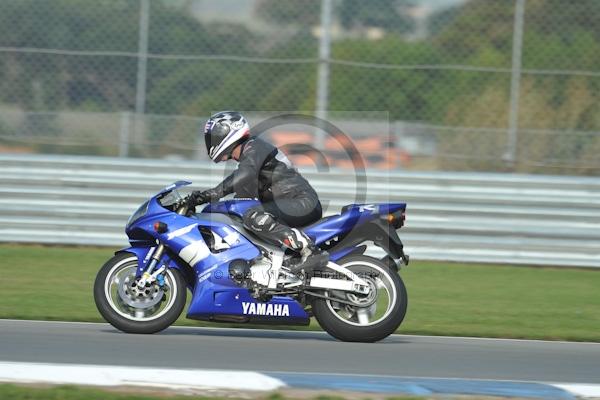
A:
(205, 196)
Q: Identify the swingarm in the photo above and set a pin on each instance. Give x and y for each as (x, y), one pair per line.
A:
(353, 284)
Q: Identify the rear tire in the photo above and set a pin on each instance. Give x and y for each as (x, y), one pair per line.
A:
(114, 302)
(332, 316)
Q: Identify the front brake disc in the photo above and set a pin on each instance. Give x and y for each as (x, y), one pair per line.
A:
(136, 298)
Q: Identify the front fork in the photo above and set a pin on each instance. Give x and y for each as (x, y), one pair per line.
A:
(149, 274)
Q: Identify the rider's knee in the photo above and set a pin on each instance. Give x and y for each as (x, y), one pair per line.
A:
(259, 220)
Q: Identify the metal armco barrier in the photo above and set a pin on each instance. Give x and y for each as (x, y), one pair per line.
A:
(466, 217)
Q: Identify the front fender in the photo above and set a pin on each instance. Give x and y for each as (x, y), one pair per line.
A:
(143, 255)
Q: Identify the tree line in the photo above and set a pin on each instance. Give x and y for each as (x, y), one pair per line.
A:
(478, 33)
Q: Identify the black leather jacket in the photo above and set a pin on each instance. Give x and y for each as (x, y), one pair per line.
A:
(264, 172)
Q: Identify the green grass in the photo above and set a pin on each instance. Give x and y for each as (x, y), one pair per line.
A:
(69, 392)
(14, 392)
(55, 283)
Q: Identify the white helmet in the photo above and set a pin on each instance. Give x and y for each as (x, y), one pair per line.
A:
(223, 132)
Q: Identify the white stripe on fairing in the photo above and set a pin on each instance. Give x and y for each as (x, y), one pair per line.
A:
(233, 236)
(178, 379)
(181, 231)
(580, 389)
(194, 252)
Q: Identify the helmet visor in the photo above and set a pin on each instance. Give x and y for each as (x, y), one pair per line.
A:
(214, 136)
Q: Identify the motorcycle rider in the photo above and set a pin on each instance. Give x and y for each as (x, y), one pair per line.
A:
(264, 172)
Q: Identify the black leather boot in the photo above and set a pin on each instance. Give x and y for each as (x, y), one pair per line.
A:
(310, 258)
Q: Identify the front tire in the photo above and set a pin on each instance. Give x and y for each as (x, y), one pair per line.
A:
(132, 310)
(371, 323)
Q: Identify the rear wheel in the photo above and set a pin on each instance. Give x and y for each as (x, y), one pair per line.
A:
(137, 310)
(372, 317)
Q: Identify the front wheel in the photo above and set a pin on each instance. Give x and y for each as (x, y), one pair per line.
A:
(134, 310)
(374, 316)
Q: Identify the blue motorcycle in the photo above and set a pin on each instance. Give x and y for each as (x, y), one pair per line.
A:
(236, 277)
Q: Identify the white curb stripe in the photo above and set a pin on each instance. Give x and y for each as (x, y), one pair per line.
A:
(97, 375)
(175, 379)
(580, 389)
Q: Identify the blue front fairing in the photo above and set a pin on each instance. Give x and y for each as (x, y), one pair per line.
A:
(214, 293)
(141, 231)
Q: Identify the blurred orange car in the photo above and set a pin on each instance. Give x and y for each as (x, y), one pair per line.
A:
(375, 151)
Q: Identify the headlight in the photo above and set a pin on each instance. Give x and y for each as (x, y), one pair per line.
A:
(139, 213)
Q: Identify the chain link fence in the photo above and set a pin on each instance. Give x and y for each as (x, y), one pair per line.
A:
(506, 85)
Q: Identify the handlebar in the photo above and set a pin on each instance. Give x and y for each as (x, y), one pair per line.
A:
(183, 209)
(183, 206)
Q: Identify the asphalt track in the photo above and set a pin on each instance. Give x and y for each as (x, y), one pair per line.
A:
(289, 351)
